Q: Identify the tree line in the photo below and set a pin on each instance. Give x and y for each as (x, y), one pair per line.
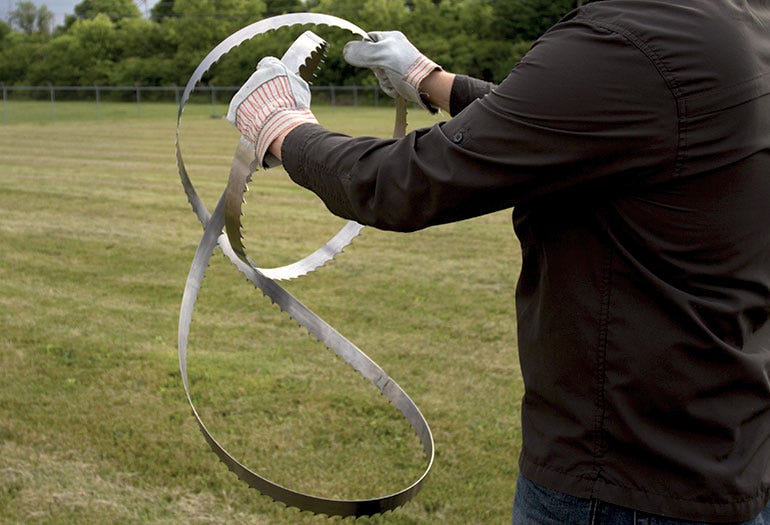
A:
(110, 42)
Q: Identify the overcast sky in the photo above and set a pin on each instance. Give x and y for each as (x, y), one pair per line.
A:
(59, 8)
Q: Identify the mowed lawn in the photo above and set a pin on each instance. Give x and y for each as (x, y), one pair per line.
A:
(96, 239)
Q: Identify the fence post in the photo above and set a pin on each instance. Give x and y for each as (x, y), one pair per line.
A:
(138, 100)
(213, 101)
(53, 101)
(331, 94)
(5, 101)
(355, 96)
(176, 95)
(377, 96)
(98, 111)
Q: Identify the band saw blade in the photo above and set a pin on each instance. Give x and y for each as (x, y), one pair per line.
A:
(303, 57)
(213, 237)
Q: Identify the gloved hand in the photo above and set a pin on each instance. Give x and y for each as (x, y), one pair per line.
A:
(272, 101)
(398, 65)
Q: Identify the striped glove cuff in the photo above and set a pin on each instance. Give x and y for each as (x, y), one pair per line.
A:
(269, 110)
(418, 70)
(272, 102)
(416, 73)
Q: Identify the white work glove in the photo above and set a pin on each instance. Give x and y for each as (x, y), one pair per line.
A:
(272, 101)
(398, 65)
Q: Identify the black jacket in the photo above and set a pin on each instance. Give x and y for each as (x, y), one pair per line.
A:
(633, 142)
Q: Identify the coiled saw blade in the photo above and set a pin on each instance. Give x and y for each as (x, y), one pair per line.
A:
(265, 280)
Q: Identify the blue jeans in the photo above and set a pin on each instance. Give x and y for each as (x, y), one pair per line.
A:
(537, 505)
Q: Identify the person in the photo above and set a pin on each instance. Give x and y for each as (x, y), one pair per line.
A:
(633, 143)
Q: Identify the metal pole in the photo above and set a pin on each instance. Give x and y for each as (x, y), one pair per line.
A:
(5, 101)
(377, 96)
(355, 96)
(176, 95)
(53, 101)
(213, 101)
(138, 101)
(331, 89)
(98, 112)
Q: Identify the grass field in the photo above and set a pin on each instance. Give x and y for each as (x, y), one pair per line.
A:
(96, 238)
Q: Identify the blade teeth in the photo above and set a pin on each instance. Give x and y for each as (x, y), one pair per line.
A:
(195, 203)
(316, 57)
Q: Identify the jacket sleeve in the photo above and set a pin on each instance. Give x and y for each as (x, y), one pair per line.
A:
(584, 109)
(465, 90)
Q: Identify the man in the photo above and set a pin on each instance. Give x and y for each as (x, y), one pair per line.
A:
(633, 142)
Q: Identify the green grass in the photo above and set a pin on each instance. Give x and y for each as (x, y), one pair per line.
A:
(96, 239)
(24, 111)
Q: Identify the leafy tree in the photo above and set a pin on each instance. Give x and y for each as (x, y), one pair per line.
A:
(85, 55)
(279, 7)
(29, 19)
(162, 10)
(461, 36)
(114, 9)
(17, 53)
(145, 71)
(198, 25)
(44, 20)
(108, 42)
(23, 16)
(370, 15)
(528, 19)
(141, 38)
(5, 30)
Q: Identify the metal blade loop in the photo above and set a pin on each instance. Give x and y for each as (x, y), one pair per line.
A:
(265, 281)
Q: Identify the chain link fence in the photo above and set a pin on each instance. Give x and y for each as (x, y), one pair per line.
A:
(92, 101)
